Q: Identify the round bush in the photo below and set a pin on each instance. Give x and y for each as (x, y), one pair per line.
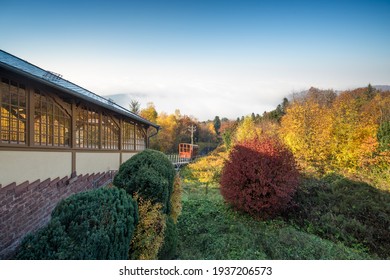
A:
(97, 224)
(260, 177)
(150, 174)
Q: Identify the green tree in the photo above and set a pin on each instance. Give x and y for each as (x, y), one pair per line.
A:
(135, 106)
(370, 91)
(217, 124)
(285, 104)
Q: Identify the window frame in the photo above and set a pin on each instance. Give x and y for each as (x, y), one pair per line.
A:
(68, 106)
(21, 89)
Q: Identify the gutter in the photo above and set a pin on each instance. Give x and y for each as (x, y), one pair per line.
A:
(154, 134)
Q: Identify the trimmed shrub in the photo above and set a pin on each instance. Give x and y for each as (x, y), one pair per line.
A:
(49, 243)
(260, 177)
(168, 249)
(97, 224)
(176, 199)
(149, 234)
(150, 174)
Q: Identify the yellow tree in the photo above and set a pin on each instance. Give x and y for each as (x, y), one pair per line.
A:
(149, 113)
(306, 129)
(246, 130)
(353, 131)
(165, 139)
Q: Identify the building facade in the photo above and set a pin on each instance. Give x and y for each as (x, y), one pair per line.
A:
(52, 130)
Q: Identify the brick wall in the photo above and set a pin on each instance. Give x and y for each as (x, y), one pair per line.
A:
(27, 207)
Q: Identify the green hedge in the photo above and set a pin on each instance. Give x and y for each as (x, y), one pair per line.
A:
(150, 174)
(168, 249)
(97, 224)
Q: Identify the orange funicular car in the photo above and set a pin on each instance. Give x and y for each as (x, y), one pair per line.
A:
(188, 150)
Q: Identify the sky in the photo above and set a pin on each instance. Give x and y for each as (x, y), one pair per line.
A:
(206, 58)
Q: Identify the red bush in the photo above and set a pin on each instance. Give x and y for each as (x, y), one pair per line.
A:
(260, 177)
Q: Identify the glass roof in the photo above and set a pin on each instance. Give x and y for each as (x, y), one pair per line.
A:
(56, 80)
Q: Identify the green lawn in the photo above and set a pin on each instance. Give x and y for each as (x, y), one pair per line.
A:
(210, 229)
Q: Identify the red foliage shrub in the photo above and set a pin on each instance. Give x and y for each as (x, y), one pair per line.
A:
(260, 177)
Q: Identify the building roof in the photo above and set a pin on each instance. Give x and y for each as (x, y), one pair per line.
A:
(23, 67)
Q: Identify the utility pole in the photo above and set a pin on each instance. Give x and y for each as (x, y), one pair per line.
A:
(192, 129)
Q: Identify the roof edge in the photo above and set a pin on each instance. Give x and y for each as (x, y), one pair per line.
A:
(108, 104)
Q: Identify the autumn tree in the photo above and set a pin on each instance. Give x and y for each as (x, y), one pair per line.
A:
(166, 137)
(330, 132)
(149, 113)
(353, 131)
(228, 129)
(306, 129)
(206, 133)
(183, 134)
(246, 130)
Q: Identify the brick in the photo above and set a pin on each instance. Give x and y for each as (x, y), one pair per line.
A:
(20, 189)
(9, 189)
(31, 209)
(34, 184)
(54, 182)
(43, 184)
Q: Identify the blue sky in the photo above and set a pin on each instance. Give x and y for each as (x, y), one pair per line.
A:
(207, 58)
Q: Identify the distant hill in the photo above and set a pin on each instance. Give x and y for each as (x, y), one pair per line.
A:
(378, 87)
(382, 87)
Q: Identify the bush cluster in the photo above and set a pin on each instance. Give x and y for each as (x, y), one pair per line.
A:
(150, 174)
(100, 224)
(260, 177)
(96, 224)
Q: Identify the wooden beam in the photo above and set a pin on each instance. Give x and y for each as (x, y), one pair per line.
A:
(30, 117)
(100, 127)
(73, 119)
(120, 135)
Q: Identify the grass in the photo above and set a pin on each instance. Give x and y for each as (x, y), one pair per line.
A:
(341, 210)
(209, 229)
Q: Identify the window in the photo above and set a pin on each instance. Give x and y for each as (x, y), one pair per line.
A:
(110, 133)
(87, 129)
(13, 112)
(140, 143)
(128, 139)
(51, 123)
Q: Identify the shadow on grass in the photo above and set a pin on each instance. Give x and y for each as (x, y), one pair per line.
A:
(210, 229)
(341, 210)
